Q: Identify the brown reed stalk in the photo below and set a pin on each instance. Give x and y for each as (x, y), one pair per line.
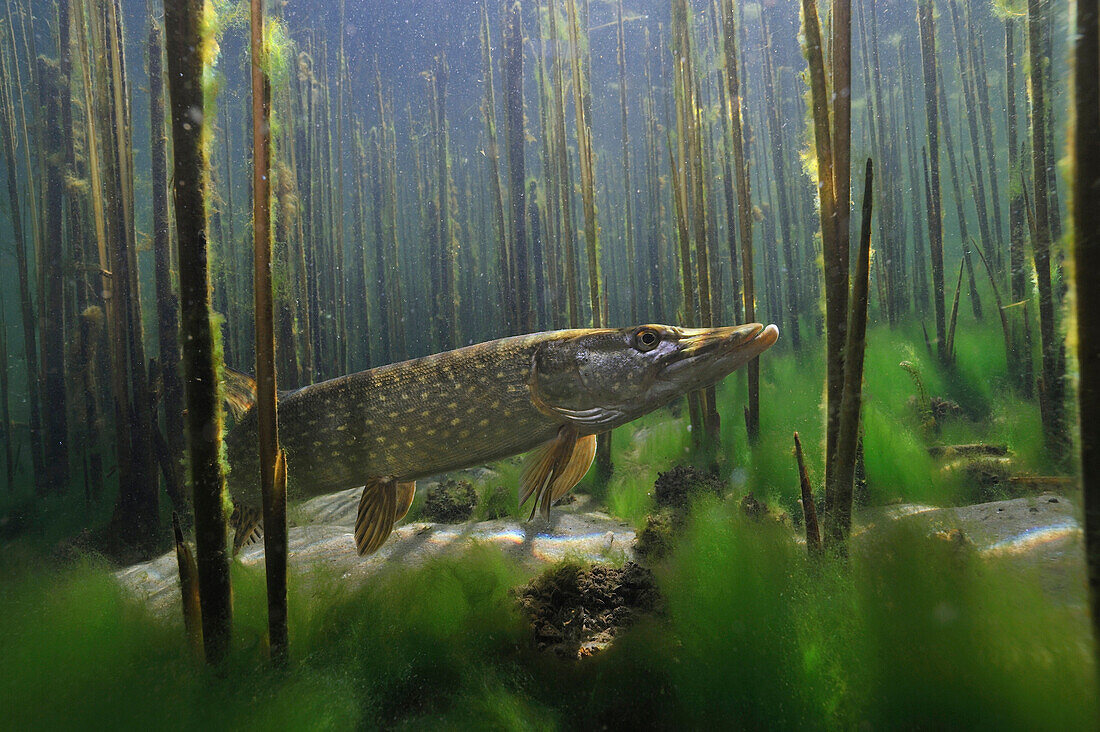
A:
(809, 508)
(935, 215)
(838, 523)
(273, 491)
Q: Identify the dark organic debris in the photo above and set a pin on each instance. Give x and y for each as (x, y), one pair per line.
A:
(673, 492)
(990, 476)
(575, 610)
(946, 451)
(753, 508)
(450, 502)
(944, 408)
(654, 542)
(676, 488)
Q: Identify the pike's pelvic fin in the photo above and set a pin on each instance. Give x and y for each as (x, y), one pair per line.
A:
(554, 468)
(377, 513)
(405, 493)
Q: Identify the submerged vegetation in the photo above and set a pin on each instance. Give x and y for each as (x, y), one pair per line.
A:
(346, 188)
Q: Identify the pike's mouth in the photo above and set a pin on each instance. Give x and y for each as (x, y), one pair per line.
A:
(708, 354)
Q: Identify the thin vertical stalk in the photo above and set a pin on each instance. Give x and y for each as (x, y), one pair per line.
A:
(779, 173)
(166, 299)
(935, 217)
(1052, 387)
(744, 207)
(628, 190)
(30, 340)
(492, 153)
(512, 81)
(968, 84)
(964, 235)
(267, 411)
(564, 175)
(52, 313)
(5, 404)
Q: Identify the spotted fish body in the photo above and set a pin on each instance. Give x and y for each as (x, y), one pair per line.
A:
(548, 393)
(406, 420)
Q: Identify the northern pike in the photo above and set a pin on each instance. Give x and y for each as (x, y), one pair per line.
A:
(547, 393)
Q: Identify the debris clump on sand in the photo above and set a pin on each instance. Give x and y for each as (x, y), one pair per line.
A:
(678, 487)
(575, 610)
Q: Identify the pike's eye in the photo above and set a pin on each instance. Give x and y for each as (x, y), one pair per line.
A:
(646, 339)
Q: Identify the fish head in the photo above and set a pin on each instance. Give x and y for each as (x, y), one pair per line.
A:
(602, 378)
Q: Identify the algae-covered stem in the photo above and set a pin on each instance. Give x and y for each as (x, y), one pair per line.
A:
(272, 490)
(836, 274)
(1021, 365)
(185, 48)
(1052, 387)
(1086, 234)
(836, 254)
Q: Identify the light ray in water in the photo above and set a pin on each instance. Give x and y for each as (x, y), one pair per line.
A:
(591, 546)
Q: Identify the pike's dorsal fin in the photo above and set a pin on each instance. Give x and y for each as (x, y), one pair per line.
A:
(554, 468)
(405, 494)
(247, 524)
(240, 392)
(377, 512)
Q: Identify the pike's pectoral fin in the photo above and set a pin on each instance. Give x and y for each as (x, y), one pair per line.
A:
(377, 512)
(554, 468)
(405, 494)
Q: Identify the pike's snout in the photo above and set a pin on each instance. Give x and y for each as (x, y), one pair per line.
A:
(717, 342)
(708, 354)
